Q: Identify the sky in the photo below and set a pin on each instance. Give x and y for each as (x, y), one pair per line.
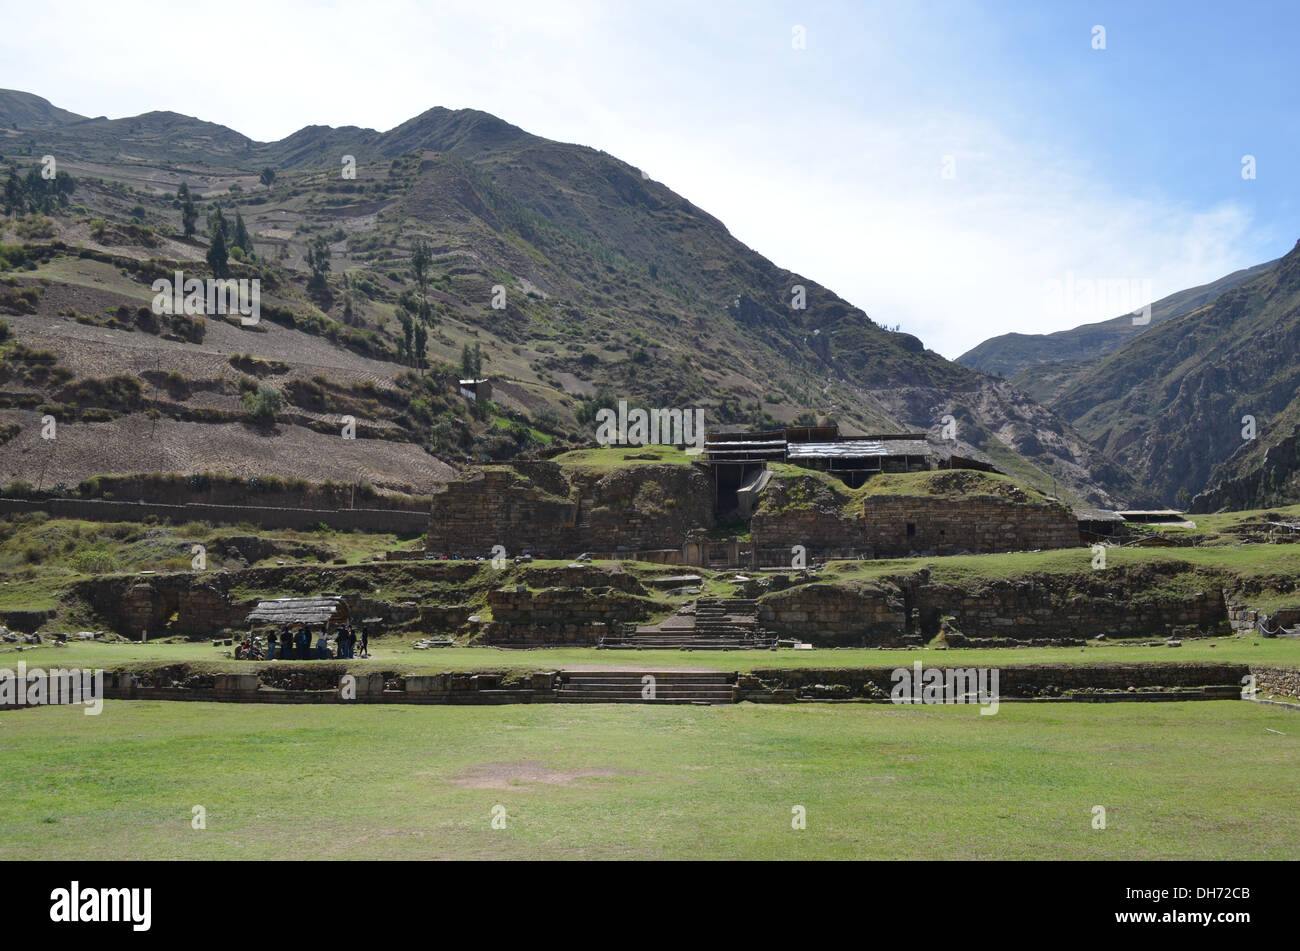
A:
(949, 167)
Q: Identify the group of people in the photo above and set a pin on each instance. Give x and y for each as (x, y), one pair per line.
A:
(298, 645)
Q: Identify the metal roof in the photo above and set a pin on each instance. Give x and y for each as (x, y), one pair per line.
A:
(1097, 515)
(854, 448)
(753, 444)
(321, 610)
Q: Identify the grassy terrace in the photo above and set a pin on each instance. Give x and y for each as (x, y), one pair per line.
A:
(805, 488)
(40, 555)
(393, 654)
(1221, 528)
(1260, 560)
(609, 458)
(615, 781)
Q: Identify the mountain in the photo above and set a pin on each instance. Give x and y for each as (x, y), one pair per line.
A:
(1045, 364)
(1262, 473)
(611, 285)
(1169, 405)
(22, 110)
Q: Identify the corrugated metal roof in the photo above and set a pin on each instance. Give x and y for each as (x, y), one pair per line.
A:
(854, 448)
(1097, 515)
(299, 611)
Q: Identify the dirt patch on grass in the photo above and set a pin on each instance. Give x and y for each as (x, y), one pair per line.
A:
(530, 772)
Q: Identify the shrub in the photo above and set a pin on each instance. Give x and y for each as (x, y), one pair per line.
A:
(34, 227)
(95, 561)
(20, 489)
(263, 403)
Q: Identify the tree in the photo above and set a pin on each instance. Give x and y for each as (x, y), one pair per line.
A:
(13, 195)
(318, 259)
(217, 223)
(478, 360)
(189, 214)
(62, 186)
(406, 344)
(590, 406)
(466, 363)
(35, 193)
(241, 239)
(219, 254)
(421, 258)
(267, 177)
(421, 341)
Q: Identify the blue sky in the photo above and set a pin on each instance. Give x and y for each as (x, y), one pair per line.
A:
(1064, 161)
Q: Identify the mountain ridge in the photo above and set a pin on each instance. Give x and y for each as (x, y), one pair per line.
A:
(618, 285)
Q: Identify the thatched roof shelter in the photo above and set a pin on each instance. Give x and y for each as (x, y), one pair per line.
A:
(329, 609)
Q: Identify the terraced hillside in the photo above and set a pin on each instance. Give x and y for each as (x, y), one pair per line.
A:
(608, 286)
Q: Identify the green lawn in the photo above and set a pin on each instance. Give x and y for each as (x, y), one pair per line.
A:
(608, 458)
(392, 653)
(1204, 780)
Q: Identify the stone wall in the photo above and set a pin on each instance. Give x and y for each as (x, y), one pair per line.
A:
(837, 615)
(397, 521)
(320, 683)
(584, 576)
(559, 617)
(1031, 608)
(498, 506)
(1022, 681)
(1276, 681)
(896, 526)
(203, 603)
(546, 510)
(200, 490)
(905, 610)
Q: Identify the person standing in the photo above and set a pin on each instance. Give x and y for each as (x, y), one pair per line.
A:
(365, 641)
(286, 644)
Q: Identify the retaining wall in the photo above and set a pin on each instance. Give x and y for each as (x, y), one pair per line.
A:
(899, 526)
(397, 521)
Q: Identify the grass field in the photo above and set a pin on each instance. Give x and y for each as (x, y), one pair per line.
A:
(1178, 780)
(394, 654)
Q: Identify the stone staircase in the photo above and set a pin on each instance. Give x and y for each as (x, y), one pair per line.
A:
(717, 624)
(726, 617)
(629, 686)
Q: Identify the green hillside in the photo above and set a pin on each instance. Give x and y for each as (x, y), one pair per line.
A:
(612, 286)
